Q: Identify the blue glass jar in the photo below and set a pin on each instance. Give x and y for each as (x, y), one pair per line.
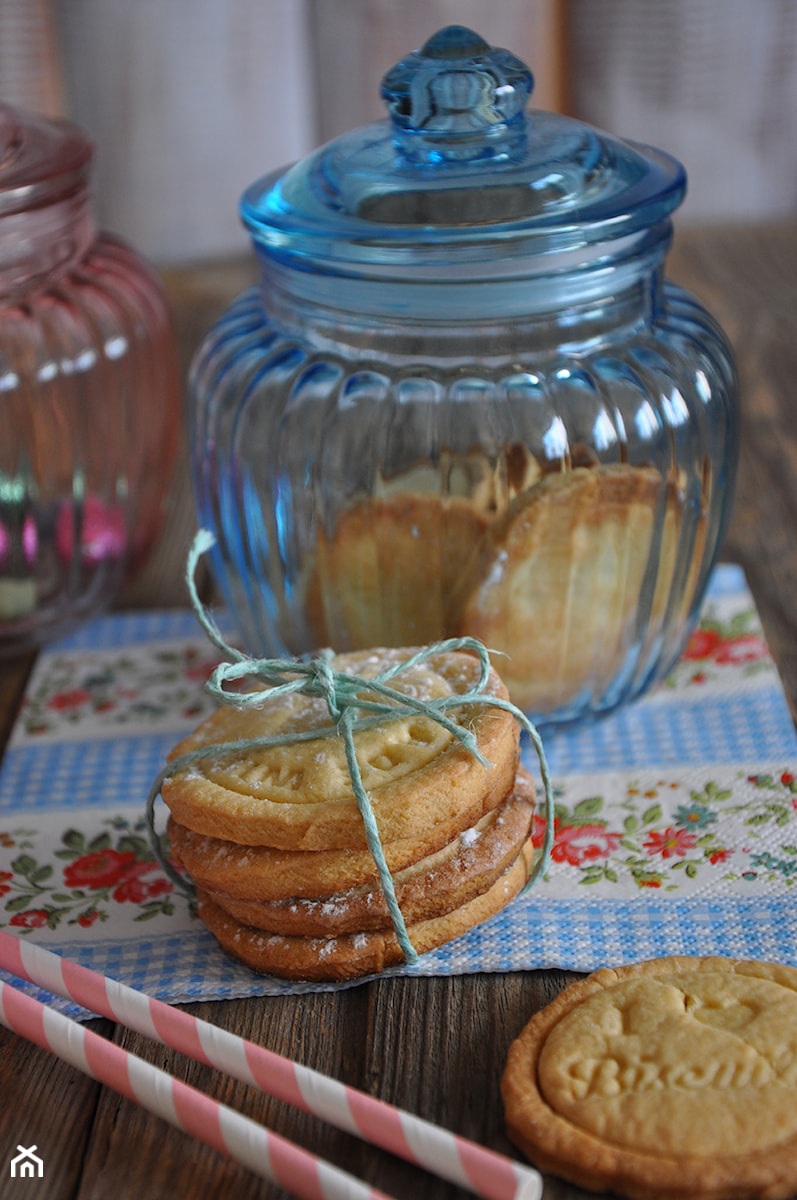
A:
(463, 399)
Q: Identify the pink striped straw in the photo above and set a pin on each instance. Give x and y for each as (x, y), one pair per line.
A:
(270, 1156)
(458, 1160)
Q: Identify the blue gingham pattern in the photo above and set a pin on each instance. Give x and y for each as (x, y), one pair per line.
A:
(755, 724)
(131, 629)
(105, 774)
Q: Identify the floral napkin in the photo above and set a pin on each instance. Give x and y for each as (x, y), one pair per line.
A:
(675, 832)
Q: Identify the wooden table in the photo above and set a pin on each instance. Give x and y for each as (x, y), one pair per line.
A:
(434, 1046)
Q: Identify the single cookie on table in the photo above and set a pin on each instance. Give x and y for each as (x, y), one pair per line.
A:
(674, 1078)
(422, 782)
(431, 887)
(560, 583)
(354, 955)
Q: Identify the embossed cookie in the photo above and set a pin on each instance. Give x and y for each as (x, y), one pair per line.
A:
(354, 955)
(672, 1078)
(562, 579)
(300, 797)
(434, 885)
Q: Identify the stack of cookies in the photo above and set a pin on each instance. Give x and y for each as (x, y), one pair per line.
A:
(275, 843)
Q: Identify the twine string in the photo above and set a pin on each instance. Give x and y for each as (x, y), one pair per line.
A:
(351, 711)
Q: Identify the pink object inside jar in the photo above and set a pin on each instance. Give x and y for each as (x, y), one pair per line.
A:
(102, 531)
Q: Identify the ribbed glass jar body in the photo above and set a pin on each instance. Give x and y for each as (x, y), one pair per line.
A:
(90, 404)
(555, 483)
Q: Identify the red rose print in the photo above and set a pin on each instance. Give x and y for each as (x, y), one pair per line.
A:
(134, 887)
(671, 841)
(86, 920)
(702, 644)
(34, 918)
(580, 844)
(4, 877)
(99, 869)
(71, 699)
(745, 649)
(538, 830)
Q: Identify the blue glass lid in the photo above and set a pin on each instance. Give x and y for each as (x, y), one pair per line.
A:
(461, 172)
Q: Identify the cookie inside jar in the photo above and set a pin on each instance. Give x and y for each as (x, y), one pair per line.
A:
(570, 575)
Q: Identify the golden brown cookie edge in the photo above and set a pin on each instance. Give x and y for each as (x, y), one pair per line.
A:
(557, 1146)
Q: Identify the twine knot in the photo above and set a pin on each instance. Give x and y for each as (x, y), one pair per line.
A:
(322, 681)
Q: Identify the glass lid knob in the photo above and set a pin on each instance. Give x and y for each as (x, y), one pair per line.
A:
(457, 97)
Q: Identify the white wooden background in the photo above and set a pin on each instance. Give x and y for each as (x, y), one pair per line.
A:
(354, 42)
(712, 81)
(190, 100)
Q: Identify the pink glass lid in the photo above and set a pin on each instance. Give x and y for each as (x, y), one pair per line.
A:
(41, 159)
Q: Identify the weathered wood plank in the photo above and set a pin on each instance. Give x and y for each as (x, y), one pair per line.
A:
(47, 1104)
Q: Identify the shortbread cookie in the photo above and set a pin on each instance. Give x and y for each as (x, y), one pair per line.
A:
(561, 583)
(674, 1078)
(386, 576)
(435, 885)
(300, 796)
(261, 872)
(351, 956)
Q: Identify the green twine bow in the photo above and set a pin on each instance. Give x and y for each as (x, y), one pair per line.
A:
(350, 712)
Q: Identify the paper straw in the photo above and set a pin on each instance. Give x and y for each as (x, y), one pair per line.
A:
(484, 1172)
(270, 1156)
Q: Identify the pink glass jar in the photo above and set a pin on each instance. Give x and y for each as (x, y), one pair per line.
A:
(89, 390)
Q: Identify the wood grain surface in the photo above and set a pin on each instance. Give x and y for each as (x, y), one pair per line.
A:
(434, 1046)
